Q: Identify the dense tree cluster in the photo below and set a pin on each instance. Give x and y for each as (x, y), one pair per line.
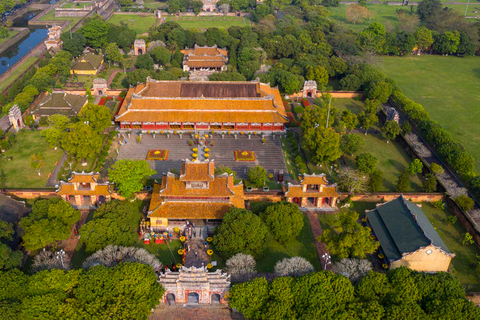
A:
(400, 294)
(127, 291)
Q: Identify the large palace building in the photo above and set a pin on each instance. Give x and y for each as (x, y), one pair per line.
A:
(203, 106)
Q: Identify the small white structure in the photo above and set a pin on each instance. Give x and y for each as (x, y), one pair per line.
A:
(53, 41)
(100, 87)
(309, 89)
(195, 286)
(15, 118)
(140, 47)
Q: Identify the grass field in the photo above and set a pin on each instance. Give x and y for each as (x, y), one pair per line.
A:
(11, 34)
(463, 264)
(141, 24)
(18, 171)
(27, 63)
(381, 13)
(448, 89)
(72, 5)
(209, 22)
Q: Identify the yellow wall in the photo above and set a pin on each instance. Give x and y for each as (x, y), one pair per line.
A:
(158, 222)
(87, 72)
(421, 261)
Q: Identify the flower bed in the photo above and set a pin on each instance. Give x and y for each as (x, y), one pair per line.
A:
(104, 100)
(158, 155)
(241, 155)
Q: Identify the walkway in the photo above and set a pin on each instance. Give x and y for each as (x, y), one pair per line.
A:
(112, 75)
(70, 244)
(53, 179)
(317, 231)
(196, 255)
(193, 313)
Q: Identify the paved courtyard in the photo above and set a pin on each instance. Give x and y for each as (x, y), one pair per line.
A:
(268, 155)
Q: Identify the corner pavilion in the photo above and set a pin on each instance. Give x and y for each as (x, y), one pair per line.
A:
(195, 193)
(312, 192)
(237, 106)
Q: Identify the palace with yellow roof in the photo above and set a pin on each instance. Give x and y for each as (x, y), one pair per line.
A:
(195, 193)
(203, 106)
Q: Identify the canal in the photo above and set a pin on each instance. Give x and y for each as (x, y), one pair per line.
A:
(24, 46)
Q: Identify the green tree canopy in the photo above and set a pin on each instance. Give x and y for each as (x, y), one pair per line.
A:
(144, 61)
(50, 221)
(390, 130)
(73, 42)
(351, 143)
(350, 119)
(8, 258)
(284, 219)
(241, 231)
(366, 162)
(95, 32)
(98, 117)
(81, 141)
(348, 238)
(161, 55)
(257, 176)
(112, 52)
(129, 176)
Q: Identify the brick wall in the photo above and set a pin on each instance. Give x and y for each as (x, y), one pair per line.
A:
(388, 196)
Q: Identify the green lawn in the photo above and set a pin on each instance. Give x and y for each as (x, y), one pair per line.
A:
(153, 4)
(209, 22)
(303, 246)
(382, 13)
(463, 264)
(392, 161)
(141, 24)
(18, 170)
(11, 34)
(50, 16)
(355, 106)
(27, 63)
(448, 89)
(73, 5)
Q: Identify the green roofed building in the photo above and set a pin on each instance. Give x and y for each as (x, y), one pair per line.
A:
(407, 238)
(60, 103)
(89, 63)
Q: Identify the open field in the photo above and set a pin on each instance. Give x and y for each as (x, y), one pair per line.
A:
(209, 22)
(18, 170)
(50, 16)
(12, 34)
(463, 264)
(381, 13)
(141, 24)
(17, 72)
(448, 89)
(73, 5)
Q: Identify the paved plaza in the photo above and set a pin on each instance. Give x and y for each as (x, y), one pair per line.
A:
(268, 155)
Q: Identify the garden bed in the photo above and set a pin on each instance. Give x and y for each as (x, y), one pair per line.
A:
(242, 155)
(157, 155)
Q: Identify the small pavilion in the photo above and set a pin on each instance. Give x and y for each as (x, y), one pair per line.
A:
(84, 190)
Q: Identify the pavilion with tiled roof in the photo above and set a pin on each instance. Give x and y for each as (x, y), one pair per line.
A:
(313, 191)
(195, 193)
(210, 59)
(60, 103)
(203, 106)
(89, 63)
(84, 189)
(407, 238)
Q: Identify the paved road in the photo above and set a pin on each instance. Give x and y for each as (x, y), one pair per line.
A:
(53, 180)
(317, 231)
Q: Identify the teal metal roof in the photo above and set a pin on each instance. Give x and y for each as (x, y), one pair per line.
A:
(402, 227)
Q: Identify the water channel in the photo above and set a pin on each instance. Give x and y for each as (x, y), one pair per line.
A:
(24, 46)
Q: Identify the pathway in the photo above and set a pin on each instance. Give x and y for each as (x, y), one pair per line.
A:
(53, 179)
(112, 75)
(197, 254)
(70, 244)
(317, 231)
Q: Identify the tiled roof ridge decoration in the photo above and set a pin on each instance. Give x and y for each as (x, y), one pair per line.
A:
(187, 162)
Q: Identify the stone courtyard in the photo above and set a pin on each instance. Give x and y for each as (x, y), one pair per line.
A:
(268, 155)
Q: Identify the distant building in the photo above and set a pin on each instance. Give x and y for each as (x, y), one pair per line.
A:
(84, 190)
(53, 41)
(196, 193)
(205, 60)
(313, 192)
(209, 5)
(100, 87)
(309, 89)
(15, 118)
(88, 63)
(60, 103)
(393, 115)
(407, 238)
(140, 47)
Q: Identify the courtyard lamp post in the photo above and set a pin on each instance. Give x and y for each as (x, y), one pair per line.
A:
(327, 259)
(59, 255)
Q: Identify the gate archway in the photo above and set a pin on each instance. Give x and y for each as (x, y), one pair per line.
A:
(193, 298)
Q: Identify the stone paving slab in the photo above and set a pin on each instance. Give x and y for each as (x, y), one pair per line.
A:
(268, 155)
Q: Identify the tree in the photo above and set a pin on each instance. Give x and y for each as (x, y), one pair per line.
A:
(144, 61)
(114, 223)
(284, 219)
(9, 259)
(227, 76)
(224, 169)
(50, 221)
(330, 3)
(98, 117)
(350, 119)
(350, 180)
(319, 74)
(430, 183)
(424, 38)
(356, 13)
(379, 91)
(57, 123)
(95, 32)
(257, 176)
(447, 43)
(6, 230)
(427, 8)
(224, 8)
(436, 168)
(406, 127)
(465, 202)
(37, 162)
(129, 176)
(241, 231)
(367, 120)
(372, 38)
(348, 238)
(403, 182)
(112, 52)
(390, 130)
(293, 267)
(242, 267)
(351, 143)
(366, 162)
(249, 297)
(113, 255)
(161, 55)
(47, 260)
(81, 141)
(415, 167)
(407, 22)
(354, 269)
(375, 181)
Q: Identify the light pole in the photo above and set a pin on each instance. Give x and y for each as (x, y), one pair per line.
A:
(326, 260)
(60, 255)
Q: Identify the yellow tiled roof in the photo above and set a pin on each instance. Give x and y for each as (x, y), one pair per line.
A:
(293, 191)
(197, 171)
(191, 210)
(84, 177)
(313, 179)
(69, 189)
(217, 188)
